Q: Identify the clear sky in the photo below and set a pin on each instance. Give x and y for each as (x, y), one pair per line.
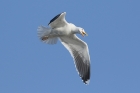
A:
(30, 66)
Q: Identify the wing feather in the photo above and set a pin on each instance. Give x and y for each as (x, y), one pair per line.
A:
(58, 21)
(79, 51)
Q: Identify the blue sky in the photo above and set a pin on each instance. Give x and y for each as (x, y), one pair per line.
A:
(30, 66)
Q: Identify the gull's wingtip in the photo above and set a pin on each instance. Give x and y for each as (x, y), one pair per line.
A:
(64, 13)
(86, 82)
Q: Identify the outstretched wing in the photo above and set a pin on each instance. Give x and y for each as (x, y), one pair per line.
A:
(58, 21)
(79, 51)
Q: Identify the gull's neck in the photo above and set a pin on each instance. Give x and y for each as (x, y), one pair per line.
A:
(74, 29)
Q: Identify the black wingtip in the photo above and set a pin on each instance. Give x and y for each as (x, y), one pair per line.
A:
(55, 18)
(86, 77)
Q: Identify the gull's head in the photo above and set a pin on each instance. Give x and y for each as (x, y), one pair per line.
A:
(82, 32)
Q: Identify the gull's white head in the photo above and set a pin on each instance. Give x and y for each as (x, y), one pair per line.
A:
(82, 32)
(78, 30)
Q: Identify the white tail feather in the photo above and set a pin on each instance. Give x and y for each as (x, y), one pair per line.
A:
(44, 32)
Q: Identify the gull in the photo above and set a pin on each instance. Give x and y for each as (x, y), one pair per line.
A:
(66, 32)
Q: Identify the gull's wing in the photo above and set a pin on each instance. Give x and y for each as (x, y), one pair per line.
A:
(79, 51)
(58, 21)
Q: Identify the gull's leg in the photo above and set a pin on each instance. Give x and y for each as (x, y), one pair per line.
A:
(44, 38)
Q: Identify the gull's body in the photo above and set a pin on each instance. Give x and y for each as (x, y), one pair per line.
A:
(61, 29)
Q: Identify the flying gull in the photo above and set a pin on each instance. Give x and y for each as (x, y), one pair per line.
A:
(66, 33)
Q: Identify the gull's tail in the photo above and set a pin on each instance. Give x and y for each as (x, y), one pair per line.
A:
(43, 34)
